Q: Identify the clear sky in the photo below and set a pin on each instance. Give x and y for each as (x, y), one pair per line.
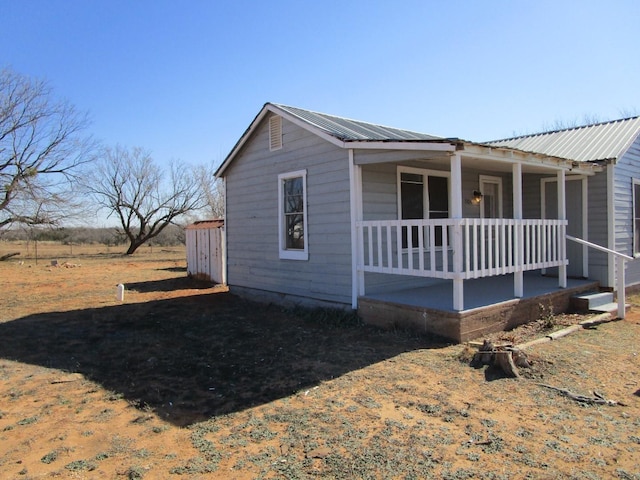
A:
(184, 79)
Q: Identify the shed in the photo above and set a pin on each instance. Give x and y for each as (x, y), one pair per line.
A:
(206, 250)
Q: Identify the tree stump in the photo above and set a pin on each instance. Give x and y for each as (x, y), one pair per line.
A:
(506, 357)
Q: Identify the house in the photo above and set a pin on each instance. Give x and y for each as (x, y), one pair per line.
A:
(450, 236)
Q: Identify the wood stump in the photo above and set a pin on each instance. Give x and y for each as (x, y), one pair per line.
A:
(506, 357)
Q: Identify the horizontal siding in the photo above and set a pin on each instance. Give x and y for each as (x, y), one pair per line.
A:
(252, 217)
(598, 226)
(627, 170)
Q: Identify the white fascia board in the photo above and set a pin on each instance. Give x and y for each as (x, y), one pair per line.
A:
(424, 145)
(512, 156)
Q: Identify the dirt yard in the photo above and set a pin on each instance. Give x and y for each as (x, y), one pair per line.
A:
(185, 380)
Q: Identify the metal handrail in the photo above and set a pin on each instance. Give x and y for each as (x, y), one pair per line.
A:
(621, 258)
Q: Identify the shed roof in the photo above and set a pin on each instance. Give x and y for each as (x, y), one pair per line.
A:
(205, 224)
(590, 143)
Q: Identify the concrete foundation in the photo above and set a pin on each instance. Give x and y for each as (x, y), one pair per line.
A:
(468, 324)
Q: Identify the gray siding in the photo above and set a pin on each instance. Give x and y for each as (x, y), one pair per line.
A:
(252, 217)
(626, 170)
(531, 201)
(598, 227)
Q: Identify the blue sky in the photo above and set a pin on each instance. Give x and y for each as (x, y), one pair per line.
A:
(184, 79)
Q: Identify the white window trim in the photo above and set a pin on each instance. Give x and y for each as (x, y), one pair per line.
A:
(285, 253)
(496, 181)
(426, 173)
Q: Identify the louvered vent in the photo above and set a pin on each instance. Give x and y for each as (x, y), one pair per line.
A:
(275, 133)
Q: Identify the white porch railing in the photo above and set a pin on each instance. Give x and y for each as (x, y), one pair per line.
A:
(621, 259)
(489, 247)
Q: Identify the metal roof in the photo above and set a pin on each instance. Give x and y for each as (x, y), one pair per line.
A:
(354, 130)
(589, 143)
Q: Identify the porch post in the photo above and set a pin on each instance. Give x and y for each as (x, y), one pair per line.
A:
(355, 194)
(562, 241)
(518, 250)
(456, 213)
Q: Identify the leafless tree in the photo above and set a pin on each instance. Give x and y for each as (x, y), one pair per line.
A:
(132, 186)
(213, 190)
(42, 146)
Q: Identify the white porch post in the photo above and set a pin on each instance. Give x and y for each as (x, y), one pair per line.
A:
(585, 226)
(456, 213)
(562, 241)
(355, 199)
(518, 277)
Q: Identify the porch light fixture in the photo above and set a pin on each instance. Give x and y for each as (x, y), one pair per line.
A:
(476, 197)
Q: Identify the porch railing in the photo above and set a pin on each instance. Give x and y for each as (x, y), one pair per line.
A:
(621, 260)
(489, 247)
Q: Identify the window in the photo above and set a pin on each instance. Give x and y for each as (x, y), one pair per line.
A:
(636, 217)
(422, 194)
(292, 204)
(275, 133)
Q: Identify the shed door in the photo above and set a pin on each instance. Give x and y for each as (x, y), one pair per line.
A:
(573, 192)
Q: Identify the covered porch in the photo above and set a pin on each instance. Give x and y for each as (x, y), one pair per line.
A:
(461, 257)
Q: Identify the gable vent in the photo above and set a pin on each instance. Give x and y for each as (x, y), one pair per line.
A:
(275, 133)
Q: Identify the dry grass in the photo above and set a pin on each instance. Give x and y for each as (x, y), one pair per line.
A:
(185, 380)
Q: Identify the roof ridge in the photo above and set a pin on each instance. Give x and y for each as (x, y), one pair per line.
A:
(577, 127)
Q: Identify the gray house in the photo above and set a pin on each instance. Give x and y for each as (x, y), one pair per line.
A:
(451, 236)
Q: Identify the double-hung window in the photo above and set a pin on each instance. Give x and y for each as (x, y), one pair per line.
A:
(422, 194)
(292, 219)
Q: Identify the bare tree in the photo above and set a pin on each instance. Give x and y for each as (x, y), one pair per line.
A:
(42, 146)
(131, 186)
(213, 190)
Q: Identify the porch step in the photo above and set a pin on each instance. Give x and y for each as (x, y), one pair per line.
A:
(594, 301)
(607, 308)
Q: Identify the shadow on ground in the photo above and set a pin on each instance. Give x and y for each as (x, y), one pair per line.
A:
(168, 285)
(195, 357)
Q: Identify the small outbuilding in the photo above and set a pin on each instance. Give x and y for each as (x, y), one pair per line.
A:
(206, 251)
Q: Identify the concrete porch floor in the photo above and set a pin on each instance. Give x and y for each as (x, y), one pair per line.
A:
(489, 305)
(478, 293)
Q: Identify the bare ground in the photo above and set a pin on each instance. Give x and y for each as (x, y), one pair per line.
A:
(185, 380)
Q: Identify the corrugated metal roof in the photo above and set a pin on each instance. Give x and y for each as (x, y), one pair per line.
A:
(354, 130)
(589, 143)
